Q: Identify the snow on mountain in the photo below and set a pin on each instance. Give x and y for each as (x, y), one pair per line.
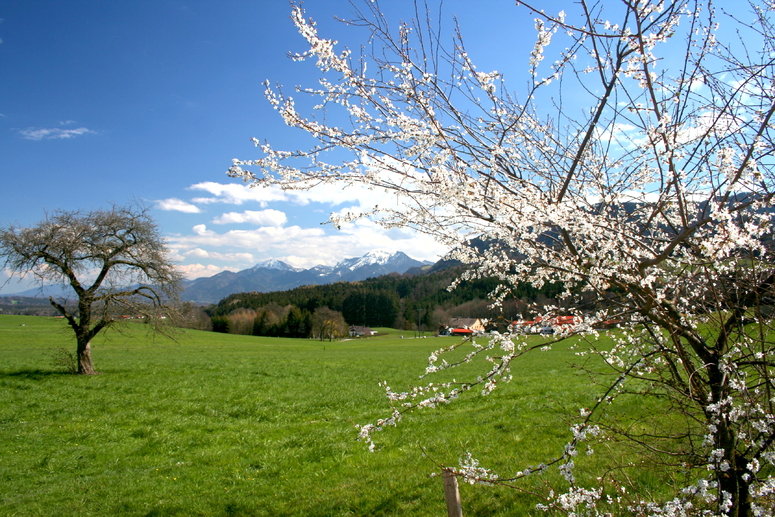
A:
(276, 275)
(275, 264)
(322, 270)
(372, 258)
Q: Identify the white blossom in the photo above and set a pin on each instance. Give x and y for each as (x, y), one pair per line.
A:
(650, 201)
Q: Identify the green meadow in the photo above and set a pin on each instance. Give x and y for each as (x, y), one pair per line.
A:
(216, 424)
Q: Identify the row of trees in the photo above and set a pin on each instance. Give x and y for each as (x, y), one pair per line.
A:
(400, 301)
(277, 321)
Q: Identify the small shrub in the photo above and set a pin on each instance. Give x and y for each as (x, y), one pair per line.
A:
(64, 359)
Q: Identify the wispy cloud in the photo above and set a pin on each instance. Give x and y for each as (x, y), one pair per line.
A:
(192, 271)
(12, 282)
(177, 205)
(223, 257)
(54, 133)
(267, 217)
(206, 250)
(300, 247)
(237, 194)
(326, 194)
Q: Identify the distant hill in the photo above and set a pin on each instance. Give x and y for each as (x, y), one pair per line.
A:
(419, 297)
(268, 276)
(278, 276)
(26, 305)
(59, 291)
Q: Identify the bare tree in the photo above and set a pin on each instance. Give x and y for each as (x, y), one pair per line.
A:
(114, 260)
(328, 324)
(192, 316)
(635, 171)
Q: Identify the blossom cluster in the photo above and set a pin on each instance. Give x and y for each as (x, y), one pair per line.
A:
(653, 204)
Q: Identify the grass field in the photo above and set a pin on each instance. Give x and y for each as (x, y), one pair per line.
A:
(214, 424)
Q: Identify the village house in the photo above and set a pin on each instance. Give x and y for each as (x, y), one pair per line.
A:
(464, 326)
(358, 331)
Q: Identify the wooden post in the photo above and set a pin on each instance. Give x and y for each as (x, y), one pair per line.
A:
(451, 494)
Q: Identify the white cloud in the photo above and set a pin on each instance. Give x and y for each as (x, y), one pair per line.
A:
(305, 247)
(192, 271)
(720, 125)
(331, 194)
(225, 257)
(237, 194)
(177, 205)
(12, 282)
(53, 133)
(299, 247)
(622, 134)
(369, 236)
(201, 230)
(198, 253)
(267, 217)
(259, 238)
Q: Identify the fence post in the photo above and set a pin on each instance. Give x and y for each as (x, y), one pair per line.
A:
(452, 494)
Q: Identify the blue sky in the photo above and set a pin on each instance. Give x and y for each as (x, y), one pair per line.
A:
(107, 102)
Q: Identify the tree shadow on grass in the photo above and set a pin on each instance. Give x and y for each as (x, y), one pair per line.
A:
(35, 374)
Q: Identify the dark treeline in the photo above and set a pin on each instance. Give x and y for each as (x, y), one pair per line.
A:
(420, 301)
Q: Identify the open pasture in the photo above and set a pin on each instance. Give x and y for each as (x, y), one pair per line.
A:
(215, 424)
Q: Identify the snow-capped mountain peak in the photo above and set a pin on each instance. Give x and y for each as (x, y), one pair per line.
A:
(379, 256)
(276, 275)
(372, 258)
(275, 264)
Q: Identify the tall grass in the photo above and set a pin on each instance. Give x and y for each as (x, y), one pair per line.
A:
(215, 424)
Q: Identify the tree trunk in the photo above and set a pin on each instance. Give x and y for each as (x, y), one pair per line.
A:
(734, 483)
(743, 486)
(735, 480)
(85, 366)
(730, 483)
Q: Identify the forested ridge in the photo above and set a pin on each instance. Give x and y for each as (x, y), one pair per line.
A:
(401, 301)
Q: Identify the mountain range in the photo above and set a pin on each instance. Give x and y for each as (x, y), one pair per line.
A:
(275, 275)
(272, 275)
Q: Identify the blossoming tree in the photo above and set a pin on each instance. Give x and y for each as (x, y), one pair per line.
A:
(651, 195)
